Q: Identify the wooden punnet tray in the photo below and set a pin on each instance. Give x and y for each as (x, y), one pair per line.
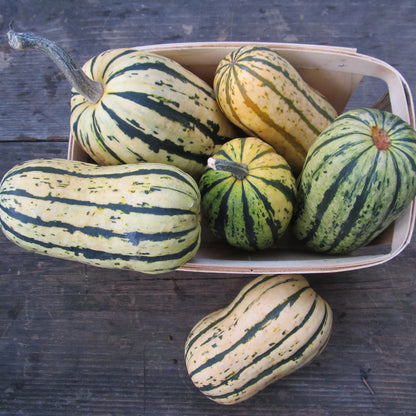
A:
(337, 73)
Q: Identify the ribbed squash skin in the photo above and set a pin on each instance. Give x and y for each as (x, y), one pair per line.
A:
(274, 326)
(252, 213)
(143, 217)
(262, 93)
(349, 190)
(152, 110)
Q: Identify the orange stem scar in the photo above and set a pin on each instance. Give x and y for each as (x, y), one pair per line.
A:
(381, 138)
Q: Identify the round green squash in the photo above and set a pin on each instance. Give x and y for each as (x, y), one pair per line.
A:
(248, 193)
(358, 177)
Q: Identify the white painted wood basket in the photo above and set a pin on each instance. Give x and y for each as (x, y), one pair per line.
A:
(337, 73)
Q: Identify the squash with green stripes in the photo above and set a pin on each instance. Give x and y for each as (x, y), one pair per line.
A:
(248, 193)
(142, 217)
(262, 93)
(131, 106)
(359, 176)
(274, 326)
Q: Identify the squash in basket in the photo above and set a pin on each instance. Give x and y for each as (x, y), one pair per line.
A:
(358, 177)
(262, 93)
(248, 193)
(129, 106)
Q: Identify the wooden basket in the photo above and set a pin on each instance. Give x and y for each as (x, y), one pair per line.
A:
(335, 72)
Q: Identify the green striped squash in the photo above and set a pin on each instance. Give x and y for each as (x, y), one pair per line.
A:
(248, 193)
(142, 217)
(131, 106)
(152, 109)
(358, 177)
(273, 327)
(262, 93)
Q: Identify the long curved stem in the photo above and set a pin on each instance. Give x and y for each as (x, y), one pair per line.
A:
(89, 89)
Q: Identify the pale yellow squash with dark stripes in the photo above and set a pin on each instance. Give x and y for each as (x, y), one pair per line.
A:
(262, 93)
(131, 106)
(274, 326)
(143, 217)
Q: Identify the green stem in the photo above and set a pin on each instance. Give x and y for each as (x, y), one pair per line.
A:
(89, 89)
(237, 169)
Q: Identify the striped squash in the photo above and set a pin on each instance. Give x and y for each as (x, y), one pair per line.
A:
(274, 326)
(152, 110)
(358, 177)
(262, 93)
(248, 192)
(130, 106)
(143, 217)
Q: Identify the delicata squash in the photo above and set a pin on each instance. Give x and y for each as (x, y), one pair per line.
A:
(274, 326)
(263, 94)
(143, 217)
(130, 106)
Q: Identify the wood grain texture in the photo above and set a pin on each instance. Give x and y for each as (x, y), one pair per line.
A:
(79, 340)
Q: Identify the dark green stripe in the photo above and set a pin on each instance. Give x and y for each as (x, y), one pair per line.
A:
(287, 191)
(206, 186)
(409, 156)
(166, 109)
(124, 52)
(222, 216)
(224, 154)
(100, 172)
(79, 134)
(330, 194)
(133, 130)
(134, 237)
(84, 138)
(375, 117)
(79, 104)
(392, 209)
(97, 255)
(261, 154)
(117, 207)
(164, 68)
(248, 220)
(360, 201)
(251, 332)
(101, 138)
(345, 146)
(92, 64)
(266, 353)
(237, 301)
(269, 212)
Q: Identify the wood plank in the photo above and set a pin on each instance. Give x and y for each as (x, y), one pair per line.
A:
(80, 340)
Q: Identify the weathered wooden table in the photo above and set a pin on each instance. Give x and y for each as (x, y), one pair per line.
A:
(78, 340)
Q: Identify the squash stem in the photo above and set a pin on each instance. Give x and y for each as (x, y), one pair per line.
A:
(91, 90)
(238, 170)
(381, 138)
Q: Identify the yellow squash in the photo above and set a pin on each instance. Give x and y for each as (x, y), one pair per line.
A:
(274, 326)
(262, 93)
